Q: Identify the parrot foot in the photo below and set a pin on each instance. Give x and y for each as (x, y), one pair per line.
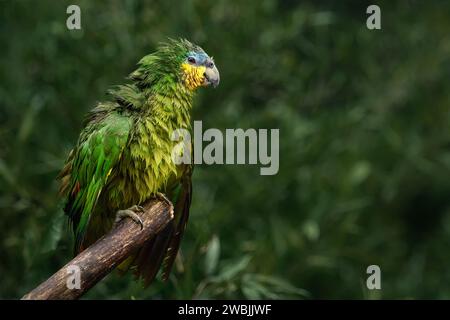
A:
(161, 196)
(130, 213)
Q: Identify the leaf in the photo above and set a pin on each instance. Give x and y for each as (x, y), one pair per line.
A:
(254, 290)
(212, 255)
(270, 287)
(311, 230)
(53, 233)
(230, 270)
(5, 172)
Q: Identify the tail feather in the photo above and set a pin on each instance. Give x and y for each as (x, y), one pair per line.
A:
(174, 244)
(151, 255)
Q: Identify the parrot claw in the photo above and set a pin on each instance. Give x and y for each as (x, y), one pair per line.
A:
(137, 208)
(130, 213)
(161, 196)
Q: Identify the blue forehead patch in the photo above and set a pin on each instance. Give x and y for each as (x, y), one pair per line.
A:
(200, 57)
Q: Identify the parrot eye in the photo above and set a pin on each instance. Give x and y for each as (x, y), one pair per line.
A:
(191, 60)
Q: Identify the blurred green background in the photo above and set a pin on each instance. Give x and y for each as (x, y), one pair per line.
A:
(364, 143)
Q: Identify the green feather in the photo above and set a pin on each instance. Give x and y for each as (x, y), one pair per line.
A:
(98, 150)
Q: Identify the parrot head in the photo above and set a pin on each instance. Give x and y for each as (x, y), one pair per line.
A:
(198, 69)
(178, 61)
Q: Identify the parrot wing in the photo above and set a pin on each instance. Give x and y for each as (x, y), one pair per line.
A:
(89, 165)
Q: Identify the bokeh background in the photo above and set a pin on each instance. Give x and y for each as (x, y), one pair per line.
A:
(364, 143)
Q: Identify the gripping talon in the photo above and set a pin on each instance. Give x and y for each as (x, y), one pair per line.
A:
(130, 213)
(162, 196)
(137, 208)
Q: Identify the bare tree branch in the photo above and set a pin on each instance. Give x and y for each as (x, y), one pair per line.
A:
(103, 256)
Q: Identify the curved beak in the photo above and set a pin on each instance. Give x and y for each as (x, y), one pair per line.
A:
(212, 76)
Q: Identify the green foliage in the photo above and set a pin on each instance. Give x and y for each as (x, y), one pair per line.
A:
(364, 143)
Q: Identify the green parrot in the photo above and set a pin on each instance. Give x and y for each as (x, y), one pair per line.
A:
(123, 156)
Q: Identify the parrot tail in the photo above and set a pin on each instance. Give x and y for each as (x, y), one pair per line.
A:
(147, 260)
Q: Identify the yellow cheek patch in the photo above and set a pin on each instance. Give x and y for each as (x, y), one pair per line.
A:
(193, 75)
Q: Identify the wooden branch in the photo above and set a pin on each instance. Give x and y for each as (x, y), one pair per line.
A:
(99, 259)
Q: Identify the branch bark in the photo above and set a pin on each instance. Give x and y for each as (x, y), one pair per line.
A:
(103, 256)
